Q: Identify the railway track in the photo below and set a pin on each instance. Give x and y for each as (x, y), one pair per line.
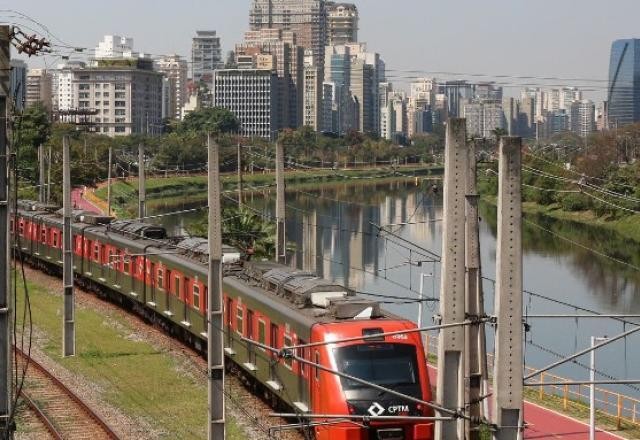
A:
(63, 414)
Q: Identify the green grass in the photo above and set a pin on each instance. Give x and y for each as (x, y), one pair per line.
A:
(133, 375)
(177, 191)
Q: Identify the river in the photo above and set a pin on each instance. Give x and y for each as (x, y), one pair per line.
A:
(335, 234)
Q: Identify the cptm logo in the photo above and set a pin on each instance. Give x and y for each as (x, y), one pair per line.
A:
(376, 410)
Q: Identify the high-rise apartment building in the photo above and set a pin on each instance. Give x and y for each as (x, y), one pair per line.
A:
(39, 89)
(278, 50)
(126, 96)
(307, 18)
(63, 93)
(174, 68)
(367, 72)
(342, 23)
(583, 114)
(18, 84)
(206, 57)
(624, 83)
(483, 118)
(312, 98)
(251, 95)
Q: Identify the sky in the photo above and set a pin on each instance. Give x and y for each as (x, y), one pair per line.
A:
(540, 38)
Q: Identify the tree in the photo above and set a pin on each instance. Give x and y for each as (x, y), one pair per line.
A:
(215, 120)
(31, 130)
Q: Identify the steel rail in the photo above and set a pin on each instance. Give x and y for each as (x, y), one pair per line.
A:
(74, 397)
(48, 424)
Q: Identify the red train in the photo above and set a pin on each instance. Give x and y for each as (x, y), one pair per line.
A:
(273, 305)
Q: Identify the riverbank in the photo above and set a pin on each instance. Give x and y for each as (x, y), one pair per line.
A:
(181, 190)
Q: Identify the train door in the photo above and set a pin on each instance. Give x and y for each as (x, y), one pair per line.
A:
(314, 378)
(151, 276)
(229, 321)
(274, 343)
(103, 261)
(187, 286)
(167, 291)
(303, 373)
(251, 353)
(176, 290)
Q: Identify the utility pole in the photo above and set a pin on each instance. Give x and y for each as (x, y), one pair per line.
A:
(41, 186)
(69, 325)
(281, 241)
(49, 176)
(6, 367)
(109, 181)
(475, 345)
(450, 388)
(239, 175)
(508, 375)
(215, 338)
(142, 193)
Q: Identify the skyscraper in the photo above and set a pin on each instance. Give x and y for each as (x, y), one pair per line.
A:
(342, 23)
(307, 18)
(583, 114)
(206, 57)
(174, 68)
(624, 82)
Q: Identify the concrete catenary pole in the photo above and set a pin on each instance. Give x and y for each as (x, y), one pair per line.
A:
(5, 302)
(109, 181)
(239, 175)
(508, 370)
(215, 348)
(69, 325)
(475, 348)
(142, 188)
(50, 158)
(281, 240)
(41, 180)
(450, 388)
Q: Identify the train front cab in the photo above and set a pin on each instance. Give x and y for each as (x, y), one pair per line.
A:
(396, 362)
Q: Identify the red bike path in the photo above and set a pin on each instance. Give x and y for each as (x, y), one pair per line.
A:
(79, 202)
(543, 423)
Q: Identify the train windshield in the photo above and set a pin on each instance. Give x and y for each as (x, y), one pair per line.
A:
(386, 365)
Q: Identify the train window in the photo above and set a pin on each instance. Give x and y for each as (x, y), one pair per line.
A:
(126, 263)
(262, 332)
(21, 227)
(317, 362)
(160, 279)
(196, 296)
(111, 262)
(383, 364)
(301, 353)
(43, 235)
(274, 336)
(239, 319)
(288, 342)
(55, 239)
(96, 251)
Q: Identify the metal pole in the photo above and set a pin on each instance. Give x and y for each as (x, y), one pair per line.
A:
(109, 181)
(475, 345)
(215, 339)
(6, 367)
(68, 329)
(41, 180)
(142, 196)
(281, 251)
(49, 176)
(450, 387)
(508, 380)
(592, 393)
(239, 175)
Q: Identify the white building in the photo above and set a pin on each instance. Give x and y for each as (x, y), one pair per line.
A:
(583, 117)
(115, 46)
(483, 118)
(251, 95)
(174, 68)
(127, 99)
(342, 23)
(63, 90)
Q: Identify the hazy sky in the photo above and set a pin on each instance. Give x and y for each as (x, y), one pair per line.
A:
(542, 38)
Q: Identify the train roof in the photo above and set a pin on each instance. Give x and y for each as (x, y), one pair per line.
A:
(310, 294)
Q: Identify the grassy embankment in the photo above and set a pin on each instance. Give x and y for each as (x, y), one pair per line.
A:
(180, 191)
(131, 374)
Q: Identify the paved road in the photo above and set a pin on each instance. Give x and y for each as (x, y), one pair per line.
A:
(79, 202)
(545, 424)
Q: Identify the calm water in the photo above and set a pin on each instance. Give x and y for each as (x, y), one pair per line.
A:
(334, 235)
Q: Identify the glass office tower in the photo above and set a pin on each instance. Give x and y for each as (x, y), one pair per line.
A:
(624, 83)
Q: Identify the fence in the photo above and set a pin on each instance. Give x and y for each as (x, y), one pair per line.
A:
(621, 408)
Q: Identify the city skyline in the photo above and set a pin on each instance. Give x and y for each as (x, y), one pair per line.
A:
(536, 52)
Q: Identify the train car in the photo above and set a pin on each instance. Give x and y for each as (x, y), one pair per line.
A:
(274, 306)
